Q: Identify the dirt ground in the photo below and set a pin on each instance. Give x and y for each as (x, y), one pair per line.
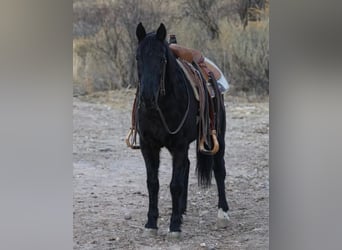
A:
(110, 194)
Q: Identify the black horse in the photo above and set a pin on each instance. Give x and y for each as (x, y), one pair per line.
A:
(166, 117)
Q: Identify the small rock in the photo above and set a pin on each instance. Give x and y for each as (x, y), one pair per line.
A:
(203, 244)
(202, 213)
(260, 199)
(105, 149)
(127, 217)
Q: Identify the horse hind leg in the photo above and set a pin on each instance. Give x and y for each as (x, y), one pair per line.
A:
(220, 174)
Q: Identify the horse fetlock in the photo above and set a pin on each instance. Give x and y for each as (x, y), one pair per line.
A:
(151, 224)
(175, 226)
(183, 211)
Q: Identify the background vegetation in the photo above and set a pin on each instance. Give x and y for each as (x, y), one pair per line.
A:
(232, 33)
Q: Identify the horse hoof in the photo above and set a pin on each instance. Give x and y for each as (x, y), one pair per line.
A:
(222, 219)
(150, 232)
(174, 235)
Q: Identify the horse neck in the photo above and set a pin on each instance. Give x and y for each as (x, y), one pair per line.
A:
(173, 80)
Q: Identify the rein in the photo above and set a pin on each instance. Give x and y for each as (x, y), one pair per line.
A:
(162, 90)
(162, 78)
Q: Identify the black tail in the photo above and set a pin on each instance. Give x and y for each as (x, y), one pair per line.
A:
(204, 168)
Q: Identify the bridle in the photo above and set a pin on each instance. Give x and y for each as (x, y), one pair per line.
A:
(162, 78)
(161, 91)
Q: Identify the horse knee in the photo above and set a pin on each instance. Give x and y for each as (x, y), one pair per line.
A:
(176, 187)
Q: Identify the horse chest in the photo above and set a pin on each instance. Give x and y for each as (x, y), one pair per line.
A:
(151, 130)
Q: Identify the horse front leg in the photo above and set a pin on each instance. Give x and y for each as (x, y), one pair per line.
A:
(151, 158)
(177, 187)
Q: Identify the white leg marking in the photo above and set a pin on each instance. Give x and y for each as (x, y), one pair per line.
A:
(222, 218)
(150, 232)
(174, 235)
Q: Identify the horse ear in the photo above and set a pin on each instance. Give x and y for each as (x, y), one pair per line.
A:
(161, 32)
(140, 32)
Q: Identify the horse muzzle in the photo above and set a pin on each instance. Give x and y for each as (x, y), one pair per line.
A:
(148, 99)
(148, 103)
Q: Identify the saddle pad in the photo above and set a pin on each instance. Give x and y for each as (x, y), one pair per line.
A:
(191, 74)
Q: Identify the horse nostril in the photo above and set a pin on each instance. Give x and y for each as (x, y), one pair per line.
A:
(148, 102)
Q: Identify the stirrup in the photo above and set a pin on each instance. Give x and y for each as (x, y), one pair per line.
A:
(131, 139)
(215, 148)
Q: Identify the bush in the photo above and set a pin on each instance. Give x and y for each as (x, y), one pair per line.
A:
(249, 59)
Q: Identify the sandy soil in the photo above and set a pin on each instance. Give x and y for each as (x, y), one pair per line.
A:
(110, 194)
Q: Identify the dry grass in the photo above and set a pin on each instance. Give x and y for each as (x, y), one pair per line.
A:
(249, 58)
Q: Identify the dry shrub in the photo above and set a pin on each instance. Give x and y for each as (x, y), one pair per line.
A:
(241, 54)
(104, 57)
(90, 70)
(249, 58)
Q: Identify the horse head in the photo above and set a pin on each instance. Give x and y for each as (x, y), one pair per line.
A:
(151, 56)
